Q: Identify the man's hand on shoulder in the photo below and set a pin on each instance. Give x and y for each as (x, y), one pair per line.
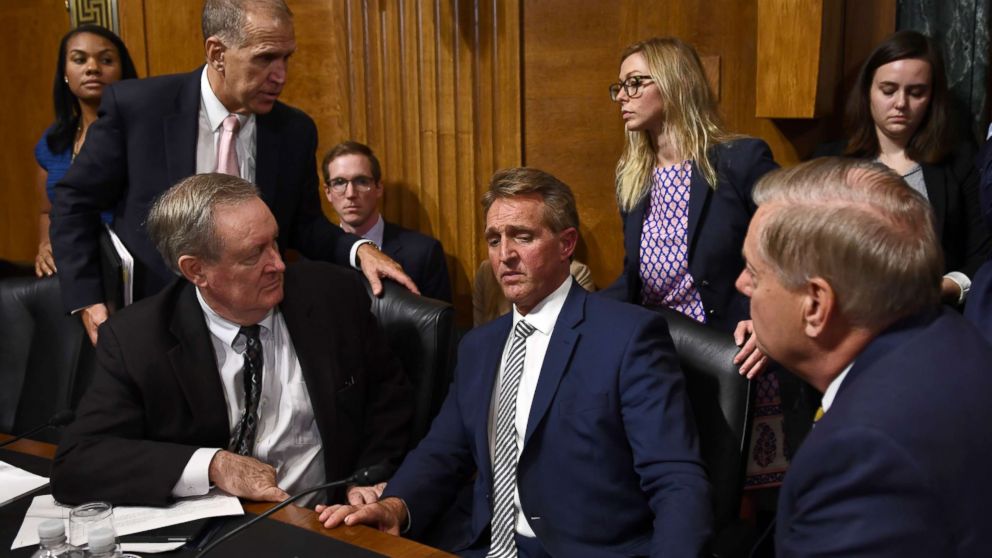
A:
(94, 315)
(387, 515)
(245, 477)
(376, 265)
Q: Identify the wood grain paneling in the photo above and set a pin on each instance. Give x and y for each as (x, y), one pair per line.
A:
(33, 33)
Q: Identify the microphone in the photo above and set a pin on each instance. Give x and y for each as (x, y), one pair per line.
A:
(60, 418)
(368, 476)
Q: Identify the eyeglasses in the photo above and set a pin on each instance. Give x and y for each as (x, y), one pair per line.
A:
(631, 86)
(361, 183)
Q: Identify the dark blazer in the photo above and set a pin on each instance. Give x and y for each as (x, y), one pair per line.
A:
(421, 257)
(899, 465)
(610, 464)
(157, 395)
(718, 220)
(142, 144)
(952, 188)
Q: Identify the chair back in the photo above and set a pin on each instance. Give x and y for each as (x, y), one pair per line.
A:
(46, 359)
(722, 402)
(420, 332)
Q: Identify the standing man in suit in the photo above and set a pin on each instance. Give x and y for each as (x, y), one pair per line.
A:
(353, 185)
(571, 409)
(246, 374)
(844, 273)
(223, 117)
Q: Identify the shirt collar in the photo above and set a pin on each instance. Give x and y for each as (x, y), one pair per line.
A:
(376, 232)
(225, 329)
(831, 393)
(545, 314)
(214, 109)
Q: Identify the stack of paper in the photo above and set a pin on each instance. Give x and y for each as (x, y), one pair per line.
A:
(15, 482)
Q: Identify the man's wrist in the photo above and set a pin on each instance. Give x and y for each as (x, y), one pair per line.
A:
(398, 508)
(355, 261)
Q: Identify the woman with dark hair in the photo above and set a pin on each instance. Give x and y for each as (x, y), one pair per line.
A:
(90, 58)
(899, 114)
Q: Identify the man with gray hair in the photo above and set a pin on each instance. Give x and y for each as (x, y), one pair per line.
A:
(223, 117)
(247, 374)
(843, 270)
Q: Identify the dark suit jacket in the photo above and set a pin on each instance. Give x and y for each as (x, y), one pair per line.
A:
(899, 465)
(984, 165)
(142, 144)
(718, 220)
(952, 188)
(157, 395)
(421, 257)
(610, 464)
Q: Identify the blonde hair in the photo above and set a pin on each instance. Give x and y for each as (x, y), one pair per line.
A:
(691, 118)
(856, 224)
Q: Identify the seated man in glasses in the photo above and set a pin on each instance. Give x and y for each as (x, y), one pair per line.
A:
(353, 185)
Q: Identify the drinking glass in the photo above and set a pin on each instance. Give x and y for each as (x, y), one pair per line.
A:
(86, 517)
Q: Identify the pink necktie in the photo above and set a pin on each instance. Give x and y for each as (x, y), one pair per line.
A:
(227, 155)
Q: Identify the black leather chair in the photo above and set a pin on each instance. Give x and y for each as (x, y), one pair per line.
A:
(722, 402)
(46, 360)
(420, 332)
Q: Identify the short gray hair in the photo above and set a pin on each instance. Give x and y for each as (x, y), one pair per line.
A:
(227, 19)
(860, 227)
(559, 203)
(181, 222)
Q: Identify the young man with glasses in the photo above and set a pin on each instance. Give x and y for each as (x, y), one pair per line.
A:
(353, 185)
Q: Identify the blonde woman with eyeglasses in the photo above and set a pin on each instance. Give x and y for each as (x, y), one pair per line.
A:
(684, 191)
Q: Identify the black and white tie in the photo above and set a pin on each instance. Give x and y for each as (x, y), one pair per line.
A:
(502, 543)
(244, 434)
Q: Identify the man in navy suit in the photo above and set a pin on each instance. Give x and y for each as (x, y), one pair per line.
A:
(577, 426)
(843, 272)
(154, 132)
(353, 185)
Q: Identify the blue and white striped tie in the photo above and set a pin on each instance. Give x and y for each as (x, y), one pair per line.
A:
(502, 544)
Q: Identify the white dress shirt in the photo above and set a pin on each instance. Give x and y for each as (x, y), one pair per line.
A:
(212, 115)
(833, 388)
(287, 437)
(543, 318)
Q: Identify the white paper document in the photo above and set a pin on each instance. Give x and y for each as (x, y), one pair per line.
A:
(130, 519)
(127, 266)
(15, 482)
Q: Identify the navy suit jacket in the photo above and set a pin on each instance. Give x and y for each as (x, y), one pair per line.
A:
(142, 144)
(157, 395)
(421, 257)
(899, 465)
(718, 221)
(610, 464)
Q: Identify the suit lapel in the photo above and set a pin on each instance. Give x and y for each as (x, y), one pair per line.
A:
(267, 158)
(699, 195)
(937, 194)
(389, 244)
(194, 362)
(315, 352)
(491, 357)
(559, 354)
(181, 130)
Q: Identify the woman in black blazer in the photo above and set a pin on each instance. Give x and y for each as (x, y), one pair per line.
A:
(898, 114)
(684, 190)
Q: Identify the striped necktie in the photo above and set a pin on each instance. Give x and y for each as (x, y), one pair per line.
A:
(502, 544)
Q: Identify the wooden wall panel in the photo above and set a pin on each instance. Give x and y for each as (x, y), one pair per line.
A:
(571, 54)
(33, 33)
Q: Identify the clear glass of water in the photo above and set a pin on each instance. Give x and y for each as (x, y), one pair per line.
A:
(86, 517)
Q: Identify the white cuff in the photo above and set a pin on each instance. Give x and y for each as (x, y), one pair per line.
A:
(963, 282)
(353, 257)
(195, 480)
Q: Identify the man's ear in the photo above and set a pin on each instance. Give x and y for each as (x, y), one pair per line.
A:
(819, 307)
(192, 269)
(214, 49)
(568, 238)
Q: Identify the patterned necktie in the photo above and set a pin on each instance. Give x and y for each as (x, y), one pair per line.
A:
(244, 434)
(227, 155)
(502, 544)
